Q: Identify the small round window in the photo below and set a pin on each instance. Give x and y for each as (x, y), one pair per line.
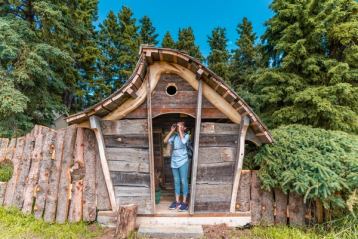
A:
(171, 89)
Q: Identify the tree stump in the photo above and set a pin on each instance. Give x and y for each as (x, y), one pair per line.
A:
(126, 220)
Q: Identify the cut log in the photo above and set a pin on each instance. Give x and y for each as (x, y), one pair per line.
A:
(10, 149)
(89, 183)
(44, 173)
(24, 171)
(281, 207)
(2, 192)
(255, 203)
(65, 178)
(296, 209)
(16, 160)
(75, 212)
(103, 203)
(243, 196)
(126, 221)
(319, 211)
(32, 178)
(267, 210)
(51, 201)
(4, 143)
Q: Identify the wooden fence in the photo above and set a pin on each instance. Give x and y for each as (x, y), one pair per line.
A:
(57, 175)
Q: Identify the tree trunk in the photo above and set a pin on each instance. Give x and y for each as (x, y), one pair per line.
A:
(126, 220)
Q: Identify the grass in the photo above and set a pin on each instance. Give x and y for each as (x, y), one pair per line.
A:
(13, 224)
(6, 169)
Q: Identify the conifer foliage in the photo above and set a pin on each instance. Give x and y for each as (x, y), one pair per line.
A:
(186, 42)
(168, 41)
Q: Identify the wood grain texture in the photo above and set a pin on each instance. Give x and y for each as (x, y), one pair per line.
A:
(51, 201)
(243, 196)
(103, 202)
(130, 179)
(128, 155)
(76, 210)
(256, 194)
(209, 155)
(124, 127)
(217, 173)
(296, 209)
(267, 208)
(220, 128)
(44, 173)
(281, 207)
(65, 178)
(126, 141)
(2, 192)
(89, 182)
(3, 146)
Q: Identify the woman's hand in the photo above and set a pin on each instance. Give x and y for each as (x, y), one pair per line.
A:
(173, 127)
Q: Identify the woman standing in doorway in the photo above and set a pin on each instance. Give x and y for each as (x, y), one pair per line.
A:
(178, 139)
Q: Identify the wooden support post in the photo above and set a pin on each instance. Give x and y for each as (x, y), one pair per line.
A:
(95, 125)
(151, 145)
(196, 147)
(126, 221)
(244, 125)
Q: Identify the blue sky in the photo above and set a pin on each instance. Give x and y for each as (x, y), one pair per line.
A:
(201, 15)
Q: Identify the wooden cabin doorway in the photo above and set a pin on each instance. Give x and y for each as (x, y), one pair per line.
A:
(164, 183)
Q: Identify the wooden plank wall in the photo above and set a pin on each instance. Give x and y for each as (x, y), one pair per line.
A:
(55, 175)
(126, 143)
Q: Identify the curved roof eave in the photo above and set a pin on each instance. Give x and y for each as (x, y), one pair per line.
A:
(148, 55)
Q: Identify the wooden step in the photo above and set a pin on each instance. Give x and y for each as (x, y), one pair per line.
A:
(170, 231)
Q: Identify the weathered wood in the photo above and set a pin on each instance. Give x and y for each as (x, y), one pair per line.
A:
(44, 173)
(296, 209)
(243, 196)
(64, 188)
(144, 203)
(126, 220)
(209, 155)
(319, 211)
(281, 207)
(220, 128)
(213, 192)
(89, 183)
(209, 140)
(32, 178)
(217, 206)
(267, 208)
(10, 150)
(219, 172)
(103, 202)
(126, 141)
(196, 147)
(2, 192)
(51, 201)
(256, 194)
(129, 191)
(75, 211)
(95, 125)
(4, 143)
(128, 155)
(123, 166)
(244, 124)
(16, 160)
(124, 127)
(24, 171)
(130, 179)
(150, 143)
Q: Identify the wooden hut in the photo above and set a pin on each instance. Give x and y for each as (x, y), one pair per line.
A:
(167, 86)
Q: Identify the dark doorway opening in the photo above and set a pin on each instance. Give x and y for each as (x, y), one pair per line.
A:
(164, 183)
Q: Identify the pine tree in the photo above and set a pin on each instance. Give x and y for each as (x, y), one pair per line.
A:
(109, 45)
(168, 41)
(186, 43)
(246, 57)
(313, 48)
(129, 44)
(219, 55)
(147, 31)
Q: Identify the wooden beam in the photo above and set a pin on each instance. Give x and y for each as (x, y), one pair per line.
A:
(245, 121)
(196, 147)
(151, 144)
(95, 125)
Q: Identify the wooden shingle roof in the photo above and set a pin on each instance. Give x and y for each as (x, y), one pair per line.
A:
(147, 56)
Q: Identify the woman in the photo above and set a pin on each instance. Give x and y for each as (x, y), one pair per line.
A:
(179, 163)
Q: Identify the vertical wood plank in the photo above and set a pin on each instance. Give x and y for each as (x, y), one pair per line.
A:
(89, 182)
(65, 178)
(2, 192)
(75, 211)
(296, 209)
(196, 147)
(267, 208)
(243, 197)
(3, 147)
(281, 207)
(10, 149)
(151, 145)
(32, 178)
(96, 126)
(44, 173)
(24, 172)
(256, 194)
(16, 160)
(244, 125)
(103, 202)
(51, 201)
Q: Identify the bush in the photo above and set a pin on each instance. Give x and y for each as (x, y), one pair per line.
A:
(6, 170)
(315, 163)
